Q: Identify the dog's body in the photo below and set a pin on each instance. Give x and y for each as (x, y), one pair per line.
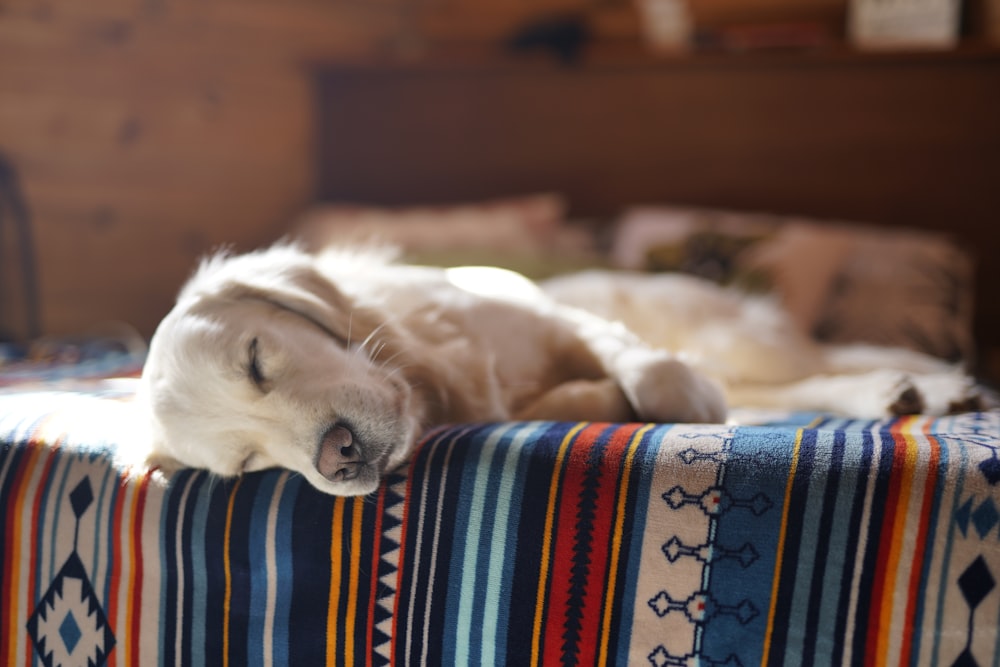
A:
(753, 349)
(333, 365)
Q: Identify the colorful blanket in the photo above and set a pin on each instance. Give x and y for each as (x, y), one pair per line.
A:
(808, 541)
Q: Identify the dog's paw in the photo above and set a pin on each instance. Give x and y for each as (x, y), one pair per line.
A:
(950, 393)
(905, 399)
(662, 388)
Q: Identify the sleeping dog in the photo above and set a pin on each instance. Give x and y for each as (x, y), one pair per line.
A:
(332, 365)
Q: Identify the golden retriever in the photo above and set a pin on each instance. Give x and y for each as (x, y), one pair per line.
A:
(332, 365)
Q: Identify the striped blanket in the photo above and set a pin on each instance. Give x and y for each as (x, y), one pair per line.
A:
(807, 541)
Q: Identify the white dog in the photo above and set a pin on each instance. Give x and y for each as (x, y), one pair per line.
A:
(333, 365)
(752, 347)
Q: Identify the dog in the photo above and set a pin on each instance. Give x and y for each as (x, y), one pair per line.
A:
(753, 349)
(332, 365)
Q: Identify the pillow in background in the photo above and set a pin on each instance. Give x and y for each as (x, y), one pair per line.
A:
(527, 234)
(841, 282)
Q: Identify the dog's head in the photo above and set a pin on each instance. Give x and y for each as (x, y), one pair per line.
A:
(263, 362)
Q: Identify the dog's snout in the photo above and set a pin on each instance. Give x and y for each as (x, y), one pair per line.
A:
(339, 458)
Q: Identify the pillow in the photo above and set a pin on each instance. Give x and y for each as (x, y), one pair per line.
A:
(528, 234)
(841, 282)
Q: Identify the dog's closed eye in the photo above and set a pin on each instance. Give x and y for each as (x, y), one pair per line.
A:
(254, 371)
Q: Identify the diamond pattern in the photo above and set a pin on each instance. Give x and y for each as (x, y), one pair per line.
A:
(985, 517)
(976, 582)
(81, 497)
(68, 627)
(991, 470)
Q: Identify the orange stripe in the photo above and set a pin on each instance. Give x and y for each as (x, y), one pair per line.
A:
(227, 568)
(616, 541)
(782, 536)
(543, 578)
(916, 569)
(354, 585)
(336, 568)
(909, 461)
(11, 594)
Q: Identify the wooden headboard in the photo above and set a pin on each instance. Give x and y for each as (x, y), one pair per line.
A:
(890, 139)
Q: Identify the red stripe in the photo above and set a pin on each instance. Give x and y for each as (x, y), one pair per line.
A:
(135, 605)
(601, 538)
(920, 550)
(11, 542)
(571, 486)
(376, 558)
(115, 557)
(884, 545)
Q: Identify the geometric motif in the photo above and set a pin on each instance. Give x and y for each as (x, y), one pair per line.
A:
(709, 553)
(716, 501)
(701, 607)
(984, 518)
(68, 627)
(660, 657)
(976, 583)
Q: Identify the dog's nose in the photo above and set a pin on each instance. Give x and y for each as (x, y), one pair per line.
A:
(339, 457)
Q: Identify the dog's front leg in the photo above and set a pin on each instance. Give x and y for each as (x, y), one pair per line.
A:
(660, 386)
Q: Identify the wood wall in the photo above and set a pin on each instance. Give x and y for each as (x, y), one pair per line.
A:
(147, 132)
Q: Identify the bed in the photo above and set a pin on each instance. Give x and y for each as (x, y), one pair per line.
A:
(776, 538)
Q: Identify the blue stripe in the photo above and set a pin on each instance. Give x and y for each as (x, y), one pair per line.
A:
(472, 522)
(928, 555)
(196, 571)
(837, 525)
(285, 572)
(257, 560)
(53, 540)
(949, 538)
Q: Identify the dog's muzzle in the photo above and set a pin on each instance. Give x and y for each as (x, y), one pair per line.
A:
(339, 458)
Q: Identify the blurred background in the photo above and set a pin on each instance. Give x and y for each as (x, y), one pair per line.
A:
(141, 134)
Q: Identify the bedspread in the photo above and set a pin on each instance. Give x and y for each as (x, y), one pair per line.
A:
(810, 540)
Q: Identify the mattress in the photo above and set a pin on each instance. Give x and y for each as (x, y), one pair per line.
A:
(789, 539)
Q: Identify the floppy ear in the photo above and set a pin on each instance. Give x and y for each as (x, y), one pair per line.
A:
(288, 279)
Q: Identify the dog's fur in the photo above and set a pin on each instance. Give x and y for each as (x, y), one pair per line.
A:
(332, 365)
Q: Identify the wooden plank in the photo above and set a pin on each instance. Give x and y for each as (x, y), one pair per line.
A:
(135, 133)
(895, 141)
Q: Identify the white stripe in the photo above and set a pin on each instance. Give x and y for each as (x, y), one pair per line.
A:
(179, 570)
(271, 558)
(866, 514)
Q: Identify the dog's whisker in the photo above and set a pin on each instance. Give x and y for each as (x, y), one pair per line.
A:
(388, 360)
(371, 336)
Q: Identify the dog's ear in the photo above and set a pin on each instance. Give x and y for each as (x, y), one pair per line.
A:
(287, 279)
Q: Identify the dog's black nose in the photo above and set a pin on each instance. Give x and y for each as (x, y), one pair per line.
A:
(339, 458)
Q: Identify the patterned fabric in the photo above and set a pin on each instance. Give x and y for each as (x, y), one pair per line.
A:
(811, 541)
